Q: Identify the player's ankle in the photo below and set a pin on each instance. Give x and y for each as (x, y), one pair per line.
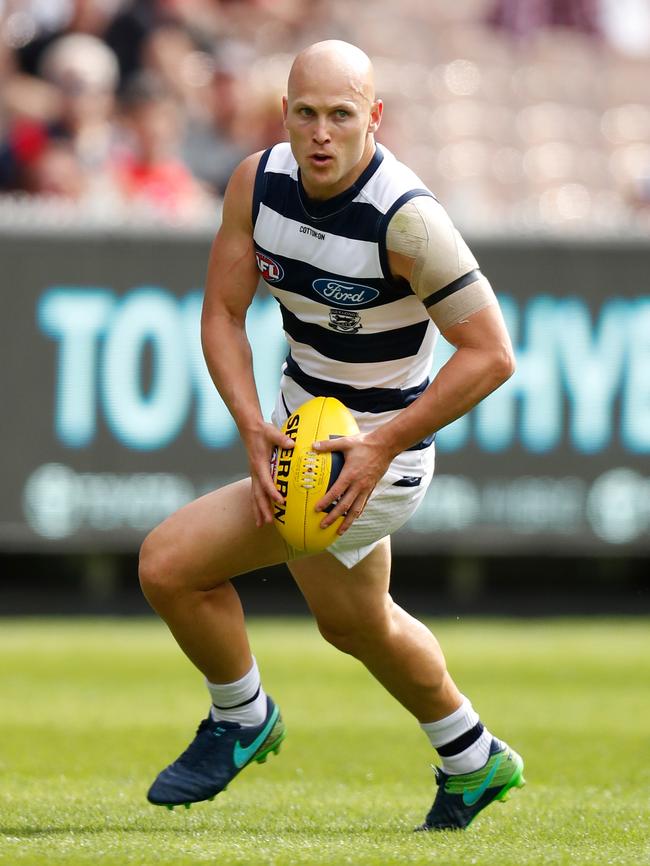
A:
(461, 740)
(242, 701)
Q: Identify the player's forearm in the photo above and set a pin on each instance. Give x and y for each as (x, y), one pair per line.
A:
(230, 362)
(469, 376)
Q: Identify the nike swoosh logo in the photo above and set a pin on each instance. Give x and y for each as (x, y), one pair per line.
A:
(472, 797)
(242, 754)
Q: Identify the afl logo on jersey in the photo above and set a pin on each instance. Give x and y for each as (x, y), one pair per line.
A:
(270, 270)
(345, 294)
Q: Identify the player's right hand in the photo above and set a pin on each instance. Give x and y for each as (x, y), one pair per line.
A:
(260, 449)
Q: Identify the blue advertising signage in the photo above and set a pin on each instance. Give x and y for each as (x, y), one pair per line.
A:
(113, 421)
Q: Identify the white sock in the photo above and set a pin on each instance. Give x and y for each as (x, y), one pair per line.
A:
(243, 701)
(461, 740)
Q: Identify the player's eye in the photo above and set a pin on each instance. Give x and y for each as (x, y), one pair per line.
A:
(341, 114)
(304, 111)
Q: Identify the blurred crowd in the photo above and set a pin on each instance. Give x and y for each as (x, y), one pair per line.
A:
(517, 113)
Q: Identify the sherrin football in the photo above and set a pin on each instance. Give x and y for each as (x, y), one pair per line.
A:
(303, 475)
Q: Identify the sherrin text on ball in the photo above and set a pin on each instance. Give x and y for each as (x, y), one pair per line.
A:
(303, 475)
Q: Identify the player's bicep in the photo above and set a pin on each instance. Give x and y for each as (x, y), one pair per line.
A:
(426, 249)
(484, 330)
(232, 275)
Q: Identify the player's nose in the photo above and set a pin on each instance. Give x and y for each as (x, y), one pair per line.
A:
(321, 132)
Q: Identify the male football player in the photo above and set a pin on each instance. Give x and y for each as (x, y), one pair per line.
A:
(367, 269)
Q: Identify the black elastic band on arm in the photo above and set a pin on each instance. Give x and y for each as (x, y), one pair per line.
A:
(452, 287)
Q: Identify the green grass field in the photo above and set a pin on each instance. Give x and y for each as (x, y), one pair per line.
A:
(90, 710)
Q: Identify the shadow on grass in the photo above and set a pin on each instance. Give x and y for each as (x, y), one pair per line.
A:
(35, 832)
(401, 829)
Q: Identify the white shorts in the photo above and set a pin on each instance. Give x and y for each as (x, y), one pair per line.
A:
(394, 499)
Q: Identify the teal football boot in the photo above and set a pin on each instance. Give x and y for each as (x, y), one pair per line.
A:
(461, 797)
(219, 751)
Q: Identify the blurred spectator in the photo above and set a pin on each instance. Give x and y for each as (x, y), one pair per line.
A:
(264, 121)
(55, 172)
(23, 145)
(82, 73)
(171, 52)
(127, 32)
(217, 137)
(148, 170)
(44, 22)
(551, 131)
(523, 17)
(85, 72)
(182, 26)
(639, 197)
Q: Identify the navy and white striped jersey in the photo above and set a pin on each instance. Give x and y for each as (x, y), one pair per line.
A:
(354, 332)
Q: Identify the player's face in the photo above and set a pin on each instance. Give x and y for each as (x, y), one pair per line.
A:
(330, 124)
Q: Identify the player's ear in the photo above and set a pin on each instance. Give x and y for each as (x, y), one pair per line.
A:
(376, 111)
(285, 110)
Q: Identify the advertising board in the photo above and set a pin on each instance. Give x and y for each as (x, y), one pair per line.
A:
(110, 420)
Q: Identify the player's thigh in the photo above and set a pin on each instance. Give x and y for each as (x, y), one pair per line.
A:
(343, 598)
(209, 541)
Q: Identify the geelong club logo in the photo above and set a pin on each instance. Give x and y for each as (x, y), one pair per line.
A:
(270, 269)
(345, 321)
(345, 294)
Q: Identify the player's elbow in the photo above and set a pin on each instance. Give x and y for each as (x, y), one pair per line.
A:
(503, 365)
(497, 367)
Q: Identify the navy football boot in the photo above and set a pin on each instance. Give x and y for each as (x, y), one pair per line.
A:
(461, 797)
(217, 754)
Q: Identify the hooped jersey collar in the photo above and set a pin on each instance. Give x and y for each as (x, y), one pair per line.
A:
(317, 209)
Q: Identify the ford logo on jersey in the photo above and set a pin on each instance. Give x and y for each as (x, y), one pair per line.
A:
(345, 294)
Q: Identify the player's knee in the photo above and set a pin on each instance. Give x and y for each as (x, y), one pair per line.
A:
(155, 570)
(354, 635)
(338, 637)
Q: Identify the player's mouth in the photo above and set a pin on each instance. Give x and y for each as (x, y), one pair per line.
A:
(320, 159)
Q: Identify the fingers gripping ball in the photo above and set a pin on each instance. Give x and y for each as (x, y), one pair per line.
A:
(303, 476)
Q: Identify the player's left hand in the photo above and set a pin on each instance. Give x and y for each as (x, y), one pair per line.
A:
(365, 463)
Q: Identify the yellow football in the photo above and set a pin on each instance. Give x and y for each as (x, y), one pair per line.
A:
(303, 475)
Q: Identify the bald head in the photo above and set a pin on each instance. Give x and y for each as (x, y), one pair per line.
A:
(334, 61)
(331, 114)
